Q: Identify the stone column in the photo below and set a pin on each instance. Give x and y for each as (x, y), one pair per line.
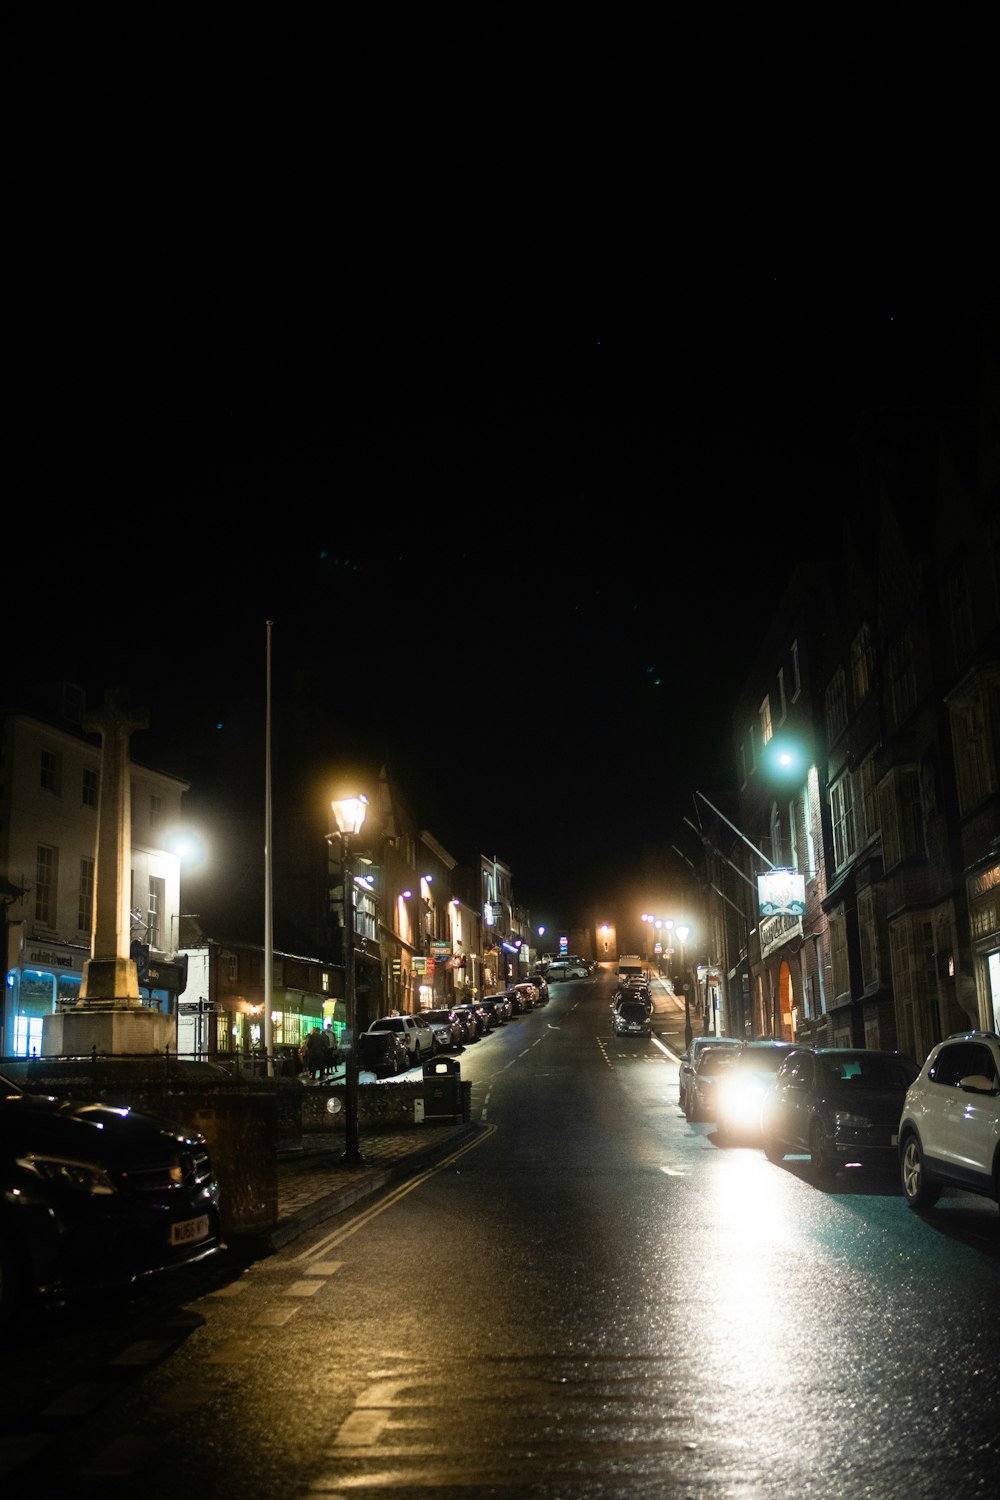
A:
(109, 1017)
(109, 976)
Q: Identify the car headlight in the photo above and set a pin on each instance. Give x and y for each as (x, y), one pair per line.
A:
(853, 1122)
(81, 1176)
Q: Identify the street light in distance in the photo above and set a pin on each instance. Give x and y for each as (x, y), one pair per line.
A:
(350, 815)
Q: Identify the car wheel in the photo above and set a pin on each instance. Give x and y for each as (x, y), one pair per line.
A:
(824, 1162)
(920, 1192)
(691, 1108)
(773, 1149)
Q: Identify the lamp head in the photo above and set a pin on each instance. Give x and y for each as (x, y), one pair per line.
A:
(350, 813)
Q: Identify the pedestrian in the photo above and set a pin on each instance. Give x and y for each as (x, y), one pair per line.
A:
(315, 1053)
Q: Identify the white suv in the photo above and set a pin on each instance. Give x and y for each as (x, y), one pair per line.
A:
(413, 1032)
(949, 1131)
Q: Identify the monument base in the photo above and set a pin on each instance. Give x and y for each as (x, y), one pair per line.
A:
(128, 1032)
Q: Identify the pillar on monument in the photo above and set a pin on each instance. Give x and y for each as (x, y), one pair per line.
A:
(109, 1015)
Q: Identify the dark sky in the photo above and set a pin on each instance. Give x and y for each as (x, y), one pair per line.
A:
(494, 483)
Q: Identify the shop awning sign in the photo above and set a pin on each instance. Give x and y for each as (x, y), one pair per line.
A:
(781, 893)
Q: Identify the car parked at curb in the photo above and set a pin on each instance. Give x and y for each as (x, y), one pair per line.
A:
(689, 1061)
(96, 1197)
(567, 968)
(740, 1092)
(949, 1126)
(446, 1017)
(382, 1053)
(703, 1085)
(841, 1104)
(417, 1036)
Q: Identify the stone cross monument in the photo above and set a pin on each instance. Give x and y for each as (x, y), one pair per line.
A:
(109, 1014)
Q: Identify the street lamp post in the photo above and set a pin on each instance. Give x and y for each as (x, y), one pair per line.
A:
(682, 932)
(350, 815)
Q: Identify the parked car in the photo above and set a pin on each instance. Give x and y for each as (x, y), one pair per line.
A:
(631, 1018)
(841, 1104)
(497, 1007)
(567, 968)
(949, 1126)
(93, 1196)
(443, 1036)
(541, 984)
(476, 1015)
(416, 1034)
(740, 1093)
(448, 1017)
(702, 1090)
(469, 1022)
(529, 993)
(689, 1061)
(382, 1053)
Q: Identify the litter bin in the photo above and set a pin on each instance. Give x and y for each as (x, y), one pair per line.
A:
(443, 1089)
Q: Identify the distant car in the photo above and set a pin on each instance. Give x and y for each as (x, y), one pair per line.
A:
(93, 1196)
(444, 1039)
(841, 1104)
(498, 1007)
(530, 993)
(631, 1018)
(417, 1036)
(703, 1086)
(541, 984)
(567, 968)
(949, 1126)
(382, 1053)
(689, 1061)
(740, 1093)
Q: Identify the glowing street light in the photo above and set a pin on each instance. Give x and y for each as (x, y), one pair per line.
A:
(350, 815)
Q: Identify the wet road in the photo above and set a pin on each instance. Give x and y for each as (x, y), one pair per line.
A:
(596, 1299)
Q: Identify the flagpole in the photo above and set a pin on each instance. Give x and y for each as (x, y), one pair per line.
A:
(268, 892)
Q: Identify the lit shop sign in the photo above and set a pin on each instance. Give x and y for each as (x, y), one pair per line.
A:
(781, 892)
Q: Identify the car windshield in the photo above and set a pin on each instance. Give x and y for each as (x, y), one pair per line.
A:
(766, 1060)
(870, 1070)
(714, 1062)
(632, 1011)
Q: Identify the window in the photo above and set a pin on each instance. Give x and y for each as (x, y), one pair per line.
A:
(776, 852)
(46, 871)
(862, 664)
(232, 967)
(842, 813)
(796, 679)
(157, 899)
(914, 983)
(838, 954)
(836, 706)
(50, 772)
(764, 716)
(90, 788)
(868, 804)
(902, 678)
(85, 908)
(155, 811)
(871, 924)
(901, 816)
(960, 613)
(975, 735)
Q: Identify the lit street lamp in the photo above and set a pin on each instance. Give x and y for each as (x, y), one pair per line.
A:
(682, 932)
(350, 815)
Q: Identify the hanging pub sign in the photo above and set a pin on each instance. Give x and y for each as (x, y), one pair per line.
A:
(781, 893)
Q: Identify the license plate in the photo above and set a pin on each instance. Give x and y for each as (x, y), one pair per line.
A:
(894, 1140)
(188, 1231)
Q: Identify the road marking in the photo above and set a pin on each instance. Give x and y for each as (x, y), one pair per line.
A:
(331, 1241)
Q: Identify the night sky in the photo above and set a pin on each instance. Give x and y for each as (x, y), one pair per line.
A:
(493, 483)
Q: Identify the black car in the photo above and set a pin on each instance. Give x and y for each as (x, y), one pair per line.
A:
(95, 1197)
(841, 1104)
(382, 1053)
(631, 1018)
